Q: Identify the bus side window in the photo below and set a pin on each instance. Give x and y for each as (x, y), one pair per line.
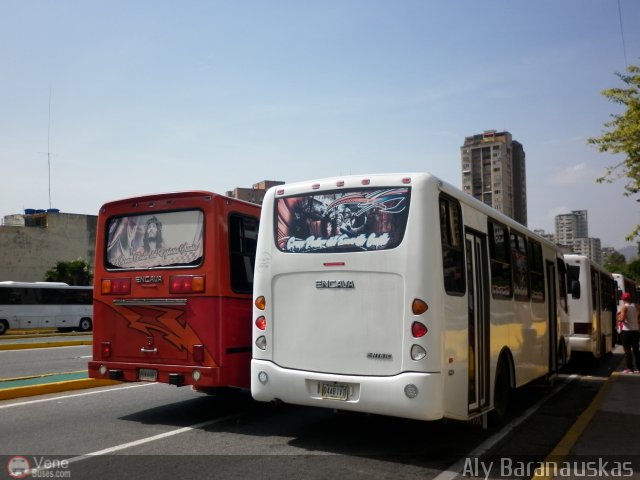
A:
(594, 290)
(452, 246)
(537, 271)
(520, 266)
(501, 283)
(243, 237)
(562, 277)
(573, 279)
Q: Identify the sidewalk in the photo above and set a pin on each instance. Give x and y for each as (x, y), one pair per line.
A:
(605, 440)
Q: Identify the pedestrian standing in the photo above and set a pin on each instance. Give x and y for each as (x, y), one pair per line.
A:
(630, 333)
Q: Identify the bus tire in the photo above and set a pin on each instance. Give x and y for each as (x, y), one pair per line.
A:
(4, 326)
(501, 392)
(85, 325)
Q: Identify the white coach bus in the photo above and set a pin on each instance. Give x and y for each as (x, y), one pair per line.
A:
(399, 295)
(27, 305)
(592, 306)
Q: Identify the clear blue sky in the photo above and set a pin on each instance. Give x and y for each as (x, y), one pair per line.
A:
(156, 96)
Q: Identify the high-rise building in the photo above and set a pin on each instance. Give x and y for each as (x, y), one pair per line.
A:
(571, 226)
(494, 172)
(572, 232)
(590, 247)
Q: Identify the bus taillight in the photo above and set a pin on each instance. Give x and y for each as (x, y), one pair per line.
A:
(261, 323)
(105, 349)
(260, 303)
(186, 284)
(418, 307)
(115, 286)
(198, 353)
(418, 330)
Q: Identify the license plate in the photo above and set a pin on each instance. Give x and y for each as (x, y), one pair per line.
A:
(334, 391)
(148, 374)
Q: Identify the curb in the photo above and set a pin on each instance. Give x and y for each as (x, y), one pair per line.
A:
(56, 387)
(25, 346)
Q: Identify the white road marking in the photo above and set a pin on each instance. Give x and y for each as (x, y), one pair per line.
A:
(93, 392)
(454, 470)
(153, 438)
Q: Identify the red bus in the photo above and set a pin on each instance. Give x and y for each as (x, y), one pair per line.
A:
(172, 290)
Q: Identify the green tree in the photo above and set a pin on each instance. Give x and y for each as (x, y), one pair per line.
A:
(633, 270)
(623, 136)
(616, 262)
(75, 272)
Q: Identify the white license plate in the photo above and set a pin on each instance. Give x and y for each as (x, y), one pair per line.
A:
(334, 391)
(148, 374)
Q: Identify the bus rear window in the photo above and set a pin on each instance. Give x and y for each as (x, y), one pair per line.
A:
(346, 221)
(161, 239)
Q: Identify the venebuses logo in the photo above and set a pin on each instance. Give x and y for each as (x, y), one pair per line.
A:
(18, 467)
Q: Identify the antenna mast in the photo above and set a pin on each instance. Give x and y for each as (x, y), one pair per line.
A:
(49, 147)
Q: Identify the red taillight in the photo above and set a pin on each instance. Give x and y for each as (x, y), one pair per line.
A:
(261, 323)
(105, 349)
(115, 286)
(186, 284)
(198, 353)
(418, 329)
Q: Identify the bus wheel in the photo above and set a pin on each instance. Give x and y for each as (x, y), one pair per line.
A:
(502, 393)
(85, 325)
(4, 326)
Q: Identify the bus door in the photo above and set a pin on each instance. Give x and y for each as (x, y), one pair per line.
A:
(478, 315)
(596, 303)
(553, 317)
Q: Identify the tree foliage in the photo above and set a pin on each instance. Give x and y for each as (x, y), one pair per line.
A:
(617, 263)
(75, 272)
(623, 136)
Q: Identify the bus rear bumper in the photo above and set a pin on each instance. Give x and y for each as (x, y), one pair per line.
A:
(409, 395)
(179, 375)
(582, 343)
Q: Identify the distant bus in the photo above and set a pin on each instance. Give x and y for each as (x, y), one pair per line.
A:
(400, 295)
(28, 305)
(592, 306)
(173, 279)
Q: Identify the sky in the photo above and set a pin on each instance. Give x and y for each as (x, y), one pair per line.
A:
(102, 100)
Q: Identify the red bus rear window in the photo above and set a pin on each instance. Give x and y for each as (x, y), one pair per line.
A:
(346, 221)
(157, 240)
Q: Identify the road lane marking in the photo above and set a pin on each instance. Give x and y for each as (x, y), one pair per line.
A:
(171, 433)
(93, 392)
(454, 470)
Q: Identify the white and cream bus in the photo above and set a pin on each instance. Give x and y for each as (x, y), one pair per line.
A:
(399, 295)
(28, 305)
(592, 306)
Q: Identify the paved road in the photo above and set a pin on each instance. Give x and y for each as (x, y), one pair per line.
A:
(156, 431)
(37, 361)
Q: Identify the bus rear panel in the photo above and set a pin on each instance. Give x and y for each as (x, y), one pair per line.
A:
(397, 294)
(173, 281)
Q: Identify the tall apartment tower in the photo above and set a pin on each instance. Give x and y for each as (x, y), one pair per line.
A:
(572, 231)
(571, 226)
(493, 171)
